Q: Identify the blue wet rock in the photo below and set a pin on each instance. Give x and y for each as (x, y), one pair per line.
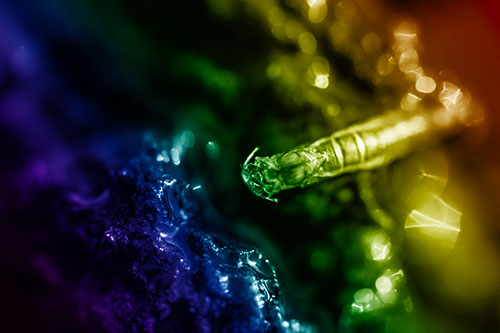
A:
(157, 269)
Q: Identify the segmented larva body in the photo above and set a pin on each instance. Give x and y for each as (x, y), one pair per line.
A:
(370, 144)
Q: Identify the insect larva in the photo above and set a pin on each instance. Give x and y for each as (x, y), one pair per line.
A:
(370, 144)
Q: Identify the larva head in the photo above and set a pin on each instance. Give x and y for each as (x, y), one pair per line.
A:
(261, 175)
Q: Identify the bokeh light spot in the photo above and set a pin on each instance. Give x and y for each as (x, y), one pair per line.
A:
(383, 284)
(425, 85)
(307, 42)
(321, 81)
(213, 150)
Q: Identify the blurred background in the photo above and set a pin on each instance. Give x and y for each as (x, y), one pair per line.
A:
(411, 247)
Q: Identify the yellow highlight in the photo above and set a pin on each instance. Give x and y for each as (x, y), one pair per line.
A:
(434, 224)
(345, 10)
(276, 16)
(408, 61)
(414, 74)
(339, 36)
(385, 64)
(421, 220)
(406, 34)
(371, 43)
(317, 11)
(409, 102)
(425, 85)
(320, 66)
(293, 29)
(307, 42)
(333, 110)
(321, 81)
(273, 70)
(316, 3)
(450, 96)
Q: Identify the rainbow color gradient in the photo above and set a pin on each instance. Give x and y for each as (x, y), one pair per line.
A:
(132, 201)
